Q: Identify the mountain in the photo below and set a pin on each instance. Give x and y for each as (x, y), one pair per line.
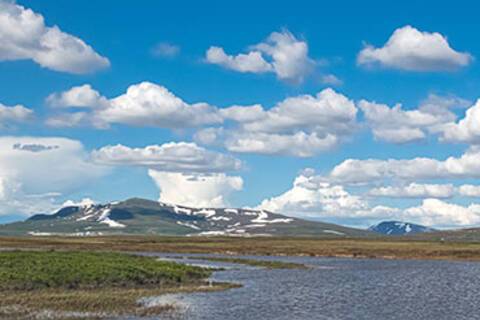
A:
(145, 217)
(398, 228)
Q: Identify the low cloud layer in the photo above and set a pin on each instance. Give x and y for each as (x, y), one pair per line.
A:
(172, 157)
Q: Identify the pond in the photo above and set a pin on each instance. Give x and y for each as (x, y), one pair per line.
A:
(336, 288)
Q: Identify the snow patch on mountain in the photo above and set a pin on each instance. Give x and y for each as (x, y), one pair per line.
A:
(398, 228)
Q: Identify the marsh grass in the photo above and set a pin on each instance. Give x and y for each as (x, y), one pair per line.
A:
(84, 270)
(92, 285)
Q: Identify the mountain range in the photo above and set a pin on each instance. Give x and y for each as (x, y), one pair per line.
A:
(145, 217)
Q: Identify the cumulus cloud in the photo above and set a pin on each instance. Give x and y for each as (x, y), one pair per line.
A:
(299, 126)
(173, 157)
(195, 190)
(397, 125)
(148, 104)
(250, 62)
(281, 53)
(185, 173)
(312, 198)
(81, 96)
(467, 129)
(25, 36)
(60, 166)
(434, 212)
(413, 50)
(144, 104)
(371, 170)
(309, 198)
(14, 114)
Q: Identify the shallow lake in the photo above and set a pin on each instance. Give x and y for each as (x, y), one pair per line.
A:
(338, 289)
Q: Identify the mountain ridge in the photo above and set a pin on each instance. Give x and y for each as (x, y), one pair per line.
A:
(139, 216)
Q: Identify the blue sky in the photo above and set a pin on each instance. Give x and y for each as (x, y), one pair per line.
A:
(433, 62)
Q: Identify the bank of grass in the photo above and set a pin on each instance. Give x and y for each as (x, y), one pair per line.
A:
(391, 248)
(268, 264)
(71, 285)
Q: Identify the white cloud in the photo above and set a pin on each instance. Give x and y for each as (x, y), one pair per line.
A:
(299, 144)
(434, 212)
(331, 79)
(85, 202)
(371, 170)
(33, 171)
(166, 50)
(144, 104)
(281, 53)
(17, 113)
(300, 126)
(173, 157)
(250, 62)
(418, 190)
(327, 112)
(24, 35)
(185, 173)
(82, 96)
(467, 129)
(468, 190)
(415, 190)
(413, 50)
(244, 113)
(195, 190)
(148, 104)
(397, 125)
(309, 198)
(312, 198)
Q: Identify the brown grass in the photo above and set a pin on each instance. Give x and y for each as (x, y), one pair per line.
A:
(90, 304)
(361, 248)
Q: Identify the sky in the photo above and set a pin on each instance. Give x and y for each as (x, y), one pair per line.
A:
(344, 112)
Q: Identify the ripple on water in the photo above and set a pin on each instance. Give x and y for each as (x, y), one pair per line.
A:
(340, 289)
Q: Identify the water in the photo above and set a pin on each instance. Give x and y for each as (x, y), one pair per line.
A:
(340, 289)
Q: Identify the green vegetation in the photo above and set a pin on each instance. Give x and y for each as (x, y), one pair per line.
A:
(70, 285)
(83, 270)
(256, 263)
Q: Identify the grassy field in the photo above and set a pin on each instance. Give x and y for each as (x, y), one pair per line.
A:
(71, 285)
(393, 248)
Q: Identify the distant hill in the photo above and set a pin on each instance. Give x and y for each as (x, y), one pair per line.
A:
(399, 228)
(145, 217)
